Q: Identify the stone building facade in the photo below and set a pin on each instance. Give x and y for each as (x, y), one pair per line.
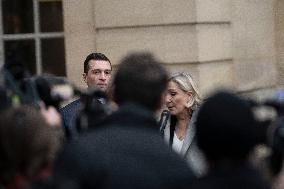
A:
(223, 43)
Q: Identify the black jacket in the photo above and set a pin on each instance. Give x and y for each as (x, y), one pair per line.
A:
(68, 115)
(126, 152)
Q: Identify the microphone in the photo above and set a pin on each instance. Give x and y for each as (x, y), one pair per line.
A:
(163, 121)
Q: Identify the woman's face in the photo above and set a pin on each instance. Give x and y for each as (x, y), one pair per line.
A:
(176, 99)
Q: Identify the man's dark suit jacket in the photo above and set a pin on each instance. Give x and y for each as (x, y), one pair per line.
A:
(68, 114)
(127, 151)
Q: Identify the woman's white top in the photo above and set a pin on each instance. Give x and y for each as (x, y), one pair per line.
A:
(188, 148)
(177, 143)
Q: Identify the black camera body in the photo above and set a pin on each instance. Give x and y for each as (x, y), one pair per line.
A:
(94, 110)
(18, 87)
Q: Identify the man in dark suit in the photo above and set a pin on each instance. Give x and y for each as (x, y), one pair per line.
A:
(97, 73)
(128, 151)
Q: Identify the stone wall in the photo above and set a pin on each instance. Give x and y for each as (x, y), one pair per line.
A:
(194, 36)
(222, 43)
(80, 32)
(279, 30)
(254, 44)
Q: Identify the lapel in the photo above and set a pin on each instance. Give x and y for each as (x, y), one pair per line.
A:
(167, 131)
(189, 136)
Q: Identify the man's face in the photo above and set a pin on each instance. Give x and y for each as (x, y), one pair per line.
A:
(98, 75)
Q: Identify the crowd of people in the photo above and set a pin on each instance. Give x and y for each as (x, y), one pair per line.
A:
(158, 133)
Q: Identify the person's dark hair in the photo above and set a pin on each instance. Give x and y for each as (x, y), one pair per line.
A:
(94, 56)
(27, 143)
(140, 79)
(225, 128)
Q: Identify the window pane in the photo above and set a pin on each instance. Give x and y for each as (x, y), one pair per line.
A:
(21, 52)
(17, 16)
(53, 56)
(51, 19)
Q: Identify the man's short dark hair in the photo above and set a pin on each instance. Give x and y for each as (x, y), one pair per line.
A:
(225, 127)
(140, 79)
(94, 56)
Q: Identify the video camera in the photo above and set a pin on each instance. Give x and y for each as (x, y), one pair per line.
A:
(19, 87)
(94, 109)
(34, 90)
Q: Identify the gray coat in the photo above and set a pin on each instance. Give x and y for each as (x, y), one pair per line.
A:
(190, 151)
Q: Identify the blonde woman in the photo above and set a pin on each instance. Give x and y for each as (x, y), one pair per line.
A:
(182, 100)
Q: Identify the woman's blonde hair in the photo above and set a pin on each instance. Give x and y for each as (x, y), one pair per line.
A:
(186, 83)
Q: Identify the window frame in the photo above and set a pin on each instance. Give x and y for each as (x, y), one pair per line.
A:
(37, 36)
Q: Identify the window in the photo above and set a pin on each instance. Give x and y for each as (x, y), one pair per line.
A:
(31, 33)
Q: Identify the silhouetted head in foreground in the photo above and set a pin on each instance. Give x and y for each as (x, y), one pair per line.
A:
(140, 79)
(225, 128)
(28, 146)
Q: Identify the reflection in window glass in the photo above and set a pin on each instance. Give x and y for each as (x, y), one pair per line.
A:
(51, 18)
(53, 56)
(21, 53)
(17, 16)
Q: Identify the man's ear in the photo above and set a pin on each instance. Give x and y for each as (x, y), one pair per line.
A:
(84, 76)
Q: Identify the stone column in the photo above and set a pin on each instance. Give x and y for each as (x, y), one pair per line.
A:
(214, 38)
(79, 29)
(254, 44)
